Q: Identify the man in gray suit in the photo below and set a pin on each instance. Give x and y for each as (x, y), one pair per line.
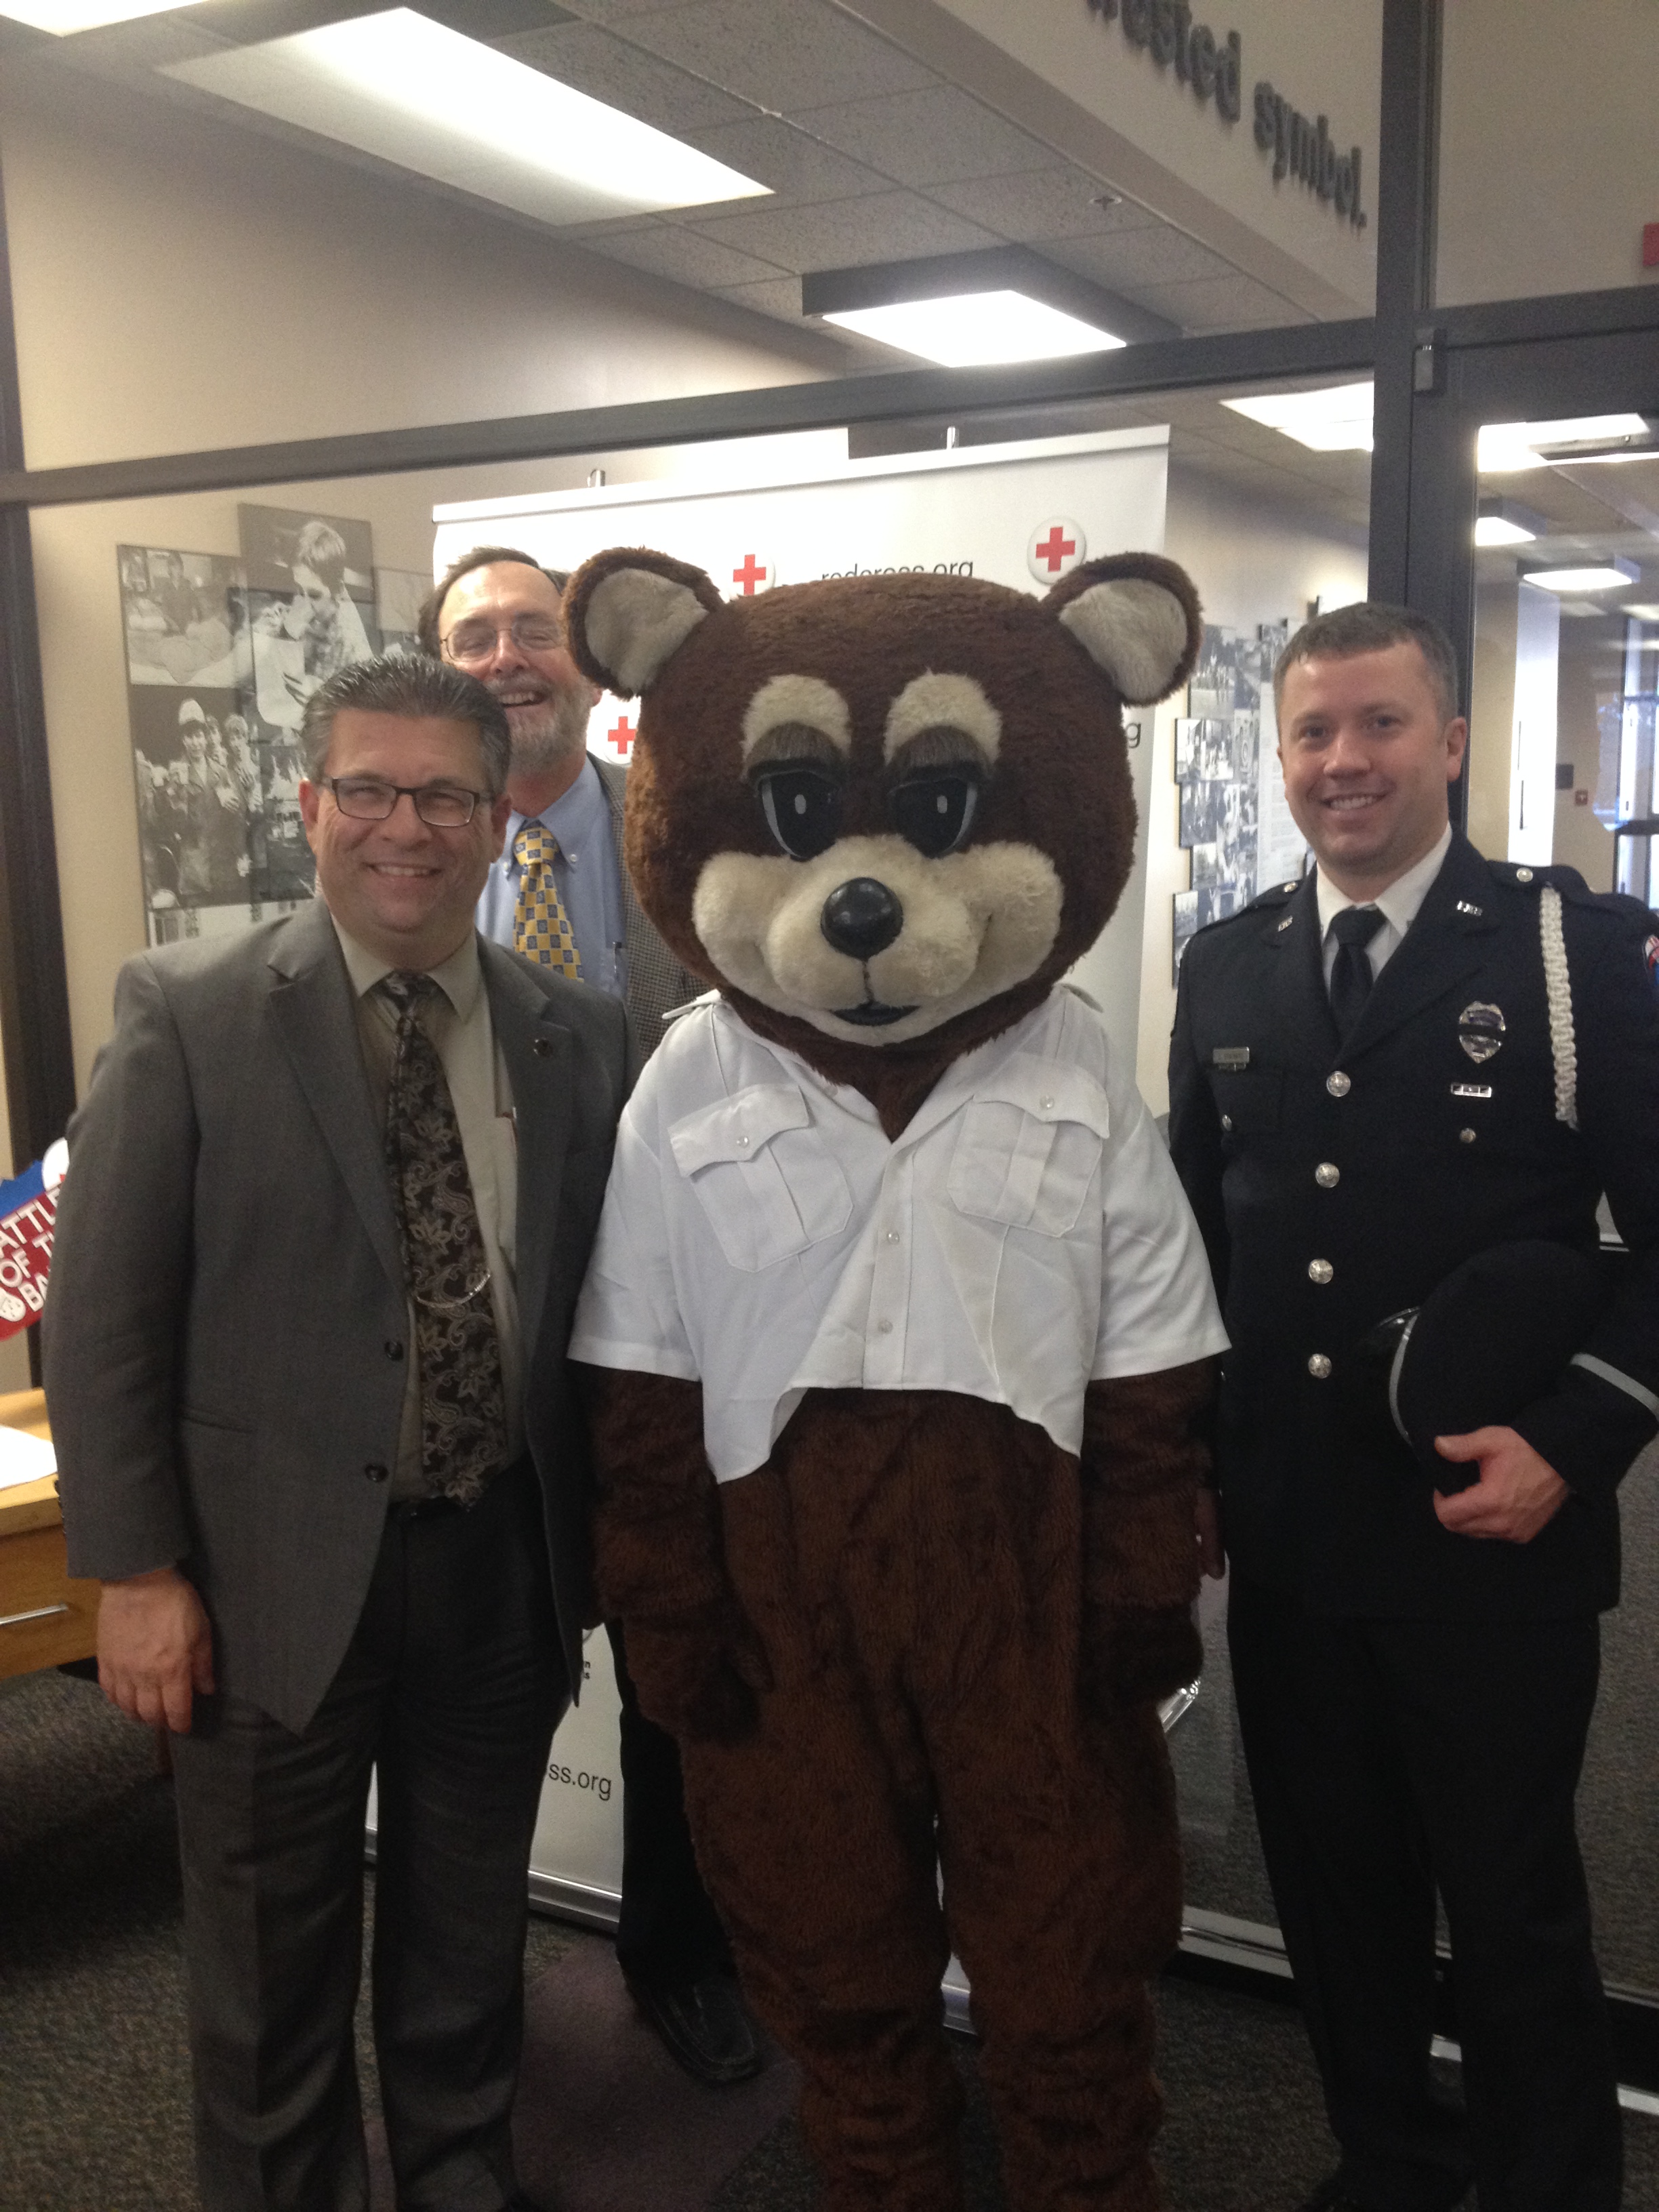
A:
(561, 894)
(333, 1187)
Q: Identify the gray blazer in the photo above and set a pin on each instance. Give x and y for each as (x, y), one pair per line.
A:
(224, 1348)
(656, 981)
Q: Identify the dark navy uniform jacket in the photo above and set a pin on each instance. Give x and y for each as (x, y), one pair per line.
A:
(1336, 1186)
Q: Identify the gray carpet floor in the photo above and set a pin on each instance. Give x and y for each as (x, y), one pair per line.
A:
(94, 2075)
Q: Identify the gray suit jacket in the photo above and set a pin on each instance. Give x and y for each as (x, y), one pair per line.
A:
(656, 981)
(225, 1341)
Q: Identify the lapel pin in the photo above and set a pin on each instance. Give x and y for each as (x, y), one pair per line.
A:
(1231, 1055)
(1481, 1031)
(1465, 906)
(541, 1046)
(1288, 919)
(1470, 1091)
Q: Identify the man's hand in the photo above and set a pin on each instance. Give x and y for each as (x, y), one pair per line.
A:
(1518, 1493)
(1211, 1556)
(155, 1647)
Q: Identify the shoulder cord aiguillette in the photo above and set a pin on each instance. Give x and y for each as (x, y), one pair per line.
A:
(1558, 985)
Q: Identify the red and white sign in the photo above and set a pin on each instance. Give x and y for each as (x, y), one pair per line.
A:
(28, 1208)
(1054, 547)
(749, 575)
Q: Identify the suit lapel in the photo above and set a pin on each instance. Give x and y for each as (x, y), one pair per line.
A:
(539, 1051)
(1302, 1008)
(312, 1008)
(1440, 950)
(638, 938)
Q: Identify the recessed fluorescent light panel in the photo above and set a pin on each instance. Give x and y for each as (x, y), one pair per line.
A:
(1608, 575)
(61, 17)
(975, 328)
(1498, 530)
(1337, 420)
(399, 86)
(1507, 447)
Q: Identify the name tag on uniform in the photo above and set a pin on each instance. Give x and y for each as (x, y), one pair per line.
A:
(1231, 1055)
(1470, 1091)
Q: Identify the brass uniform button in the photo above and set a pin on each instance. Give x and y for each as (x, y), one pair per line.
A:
(1328, 1175)
(1227, 1122)
(1319, 1367)
(1339, 1084)
(1465, 1136)
(1320, 1271)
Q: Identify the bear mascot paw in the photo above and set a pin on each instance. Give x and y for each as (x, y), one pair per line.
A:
(898, 1345)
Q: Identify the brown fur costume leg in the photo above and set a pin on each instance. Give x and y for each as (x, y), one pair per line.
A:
(912, 1565)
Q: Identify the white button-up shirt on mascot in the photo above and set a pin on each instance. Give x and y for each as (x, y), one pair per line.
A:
(1024, 1236)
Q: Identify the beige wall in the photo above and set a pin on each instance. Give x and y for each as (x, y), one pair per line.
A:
(1549, 110)
(181, 284)
(1253, 563)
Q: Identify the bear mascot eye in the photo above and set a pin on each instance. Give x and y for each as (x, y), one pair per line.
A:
(802, 806)
(934, 812)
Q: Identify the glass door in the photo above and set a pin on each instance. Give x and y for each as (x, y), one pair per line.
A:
(1536, 536)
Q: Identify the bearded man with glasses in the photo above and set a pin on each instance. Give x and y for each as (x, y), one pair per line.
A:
(335, 1183)
(560, 894)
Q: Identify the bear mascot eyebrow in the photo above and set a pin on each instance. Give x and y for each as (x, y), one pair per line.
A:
(897, 1344)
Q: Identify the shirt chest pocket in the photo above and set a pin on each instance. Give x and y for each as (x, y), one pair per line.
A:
(1028, 1158)
(762, 1174)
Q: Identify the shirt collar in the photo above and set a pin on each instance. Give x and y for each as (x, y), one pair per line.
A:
(459, 978)
(1398, 903)
(573, 817)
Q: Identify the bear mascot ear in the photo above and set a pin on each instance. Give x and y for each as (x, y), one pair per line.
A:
(628, 611)
(1138, 619)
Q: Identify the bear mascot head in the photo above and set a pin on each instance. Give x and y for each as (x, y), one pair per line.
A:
(883, 814)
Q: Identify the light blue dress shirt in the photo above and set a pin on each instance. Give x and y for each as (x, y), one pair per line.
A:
(587, 876)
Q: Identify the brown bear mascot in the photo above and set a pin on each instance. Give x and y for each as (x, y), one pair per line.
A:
(898, 1337)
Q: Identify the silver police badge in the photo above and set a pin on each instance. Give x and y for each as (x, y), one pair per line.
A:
(1481, 1031)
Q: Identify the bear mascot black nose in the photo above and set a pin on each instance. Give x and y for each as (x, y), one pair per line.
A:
(861, 918)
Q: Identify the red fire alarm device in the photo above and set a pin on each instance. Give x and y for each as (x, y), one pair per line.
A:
(1650, 245)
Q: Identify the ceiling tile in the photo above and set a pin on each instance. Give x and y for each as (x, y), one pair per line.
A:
(778, 295)
(1221, 303)
(848, 233)
(781, 54)
(620, 11)
(934, 135)
(1040, 204)
(610, 68)
(670, 251)
(792, 163)
(1156, 254)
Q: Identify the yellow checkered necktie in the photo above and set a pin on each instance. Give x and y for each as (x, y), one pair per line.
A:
(541, 928)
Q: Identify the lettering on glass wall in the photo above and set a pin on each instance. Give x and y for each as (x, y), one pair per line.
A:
(1302, 147)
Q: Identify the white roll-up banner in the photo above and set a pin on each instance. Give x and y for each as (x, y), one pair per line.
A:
(1021, 515)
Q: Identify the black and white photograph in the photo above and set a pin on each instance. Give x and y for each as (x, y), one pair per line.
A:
(280, 542)
(181, 617)
(397, 596)
(293, 646)
(197, 786)
(1202, 808)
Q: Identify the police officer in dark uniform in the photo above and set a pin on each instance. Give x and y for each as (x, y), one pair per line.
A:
(1411, 1056)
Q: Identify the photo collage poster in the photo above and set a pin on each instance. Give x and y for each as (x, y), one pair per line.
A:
(1233, 820)
(221, 655)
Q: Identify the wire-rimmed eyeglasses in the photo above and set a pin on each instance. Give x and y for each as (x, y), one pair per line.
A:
(472, 643)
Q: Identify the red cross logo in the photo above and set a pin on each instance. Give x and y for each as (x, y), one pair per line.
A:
(1056, 548)
(622, 736)
(752, 572)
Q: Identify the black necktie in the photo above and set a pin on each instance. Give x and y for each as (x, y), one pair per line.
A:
(463, 1402)
(1351, 976)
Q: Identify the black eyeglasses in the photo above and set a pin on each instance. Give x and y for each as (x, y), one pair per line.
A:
(369, 798)
(471, 643)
